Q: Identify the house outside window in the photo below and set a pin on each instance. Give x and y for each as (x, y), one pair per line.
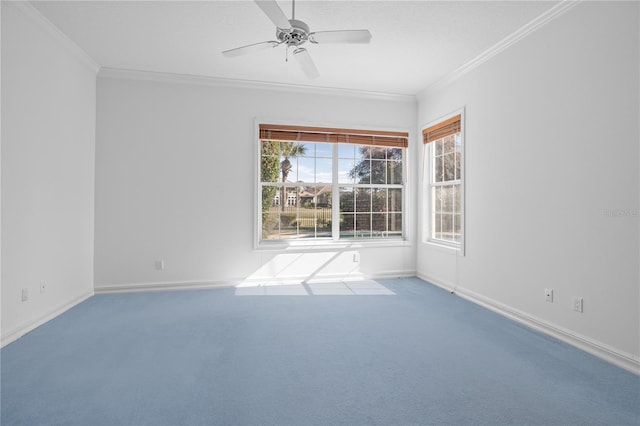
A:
(337, 184)
(444, 152)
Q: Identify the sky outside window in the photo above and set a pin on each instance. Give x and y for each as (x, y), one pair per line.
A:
(315, 166)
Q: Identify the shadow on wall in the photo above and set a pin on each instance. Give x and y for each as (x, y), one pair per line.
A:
(311, 273)
(343, 288)
(294, 267)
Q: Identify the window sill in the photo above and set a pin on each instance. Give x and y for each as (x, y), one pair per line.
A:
(448, 248)
(329, 244)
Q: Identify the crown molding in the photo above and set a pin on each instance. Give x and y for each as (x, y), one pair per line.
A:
(537, 23)
(162, 77)
(69, 45)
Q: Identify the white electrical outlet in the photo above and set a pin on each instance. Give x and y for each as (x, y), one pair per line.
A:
(25, 294)
(42, 287)
(548, 295)
(356, 257)
(577, 304)
(160, 265)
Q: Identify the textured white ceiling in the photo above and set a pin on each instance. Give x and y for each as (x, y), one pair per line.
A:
(415, 43)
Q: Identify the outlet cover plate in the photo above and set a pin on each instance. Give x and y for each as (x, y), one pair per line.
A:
(577, 304)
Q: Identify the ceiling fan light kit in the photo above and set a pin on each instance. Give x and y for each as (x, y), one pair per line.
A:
(293, 33)
(297, 34)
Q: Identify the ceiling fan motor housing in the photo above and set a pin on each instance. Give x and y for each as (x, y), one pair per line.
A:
(294, 36)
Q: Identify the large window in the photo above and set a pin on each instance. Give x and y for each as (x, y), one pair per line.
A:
(444, 152)
(322, 183)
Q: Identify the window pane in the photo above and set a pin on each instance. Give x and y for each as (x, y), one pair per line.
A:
(363, 200)
(379, 224)
(456, 227)
(323, 150)
(362, 169)
(302, 170)
(290, 196)
(306, 221)
(378, 171)
(288, 222)
(345, 168)
(394, 172)
(438, 147)
(436, 193)
(444, 227)
(437, 168)
(379, 200)
(289, 151)
(347, 151)
(269, 161)
(449, 166)
(313, 220)
(279, 222)
(394, 226)
(437, 226)
(323, 214)
(324, 170)
(347, 200)
(363, 225)
(269, 148)
(458, 145)
(447, 199)
(394, 200)
(347, 225)
(270, 213)
(447, 226)
(377, 153)
(448, 144)
(312, 196)
(456, 199)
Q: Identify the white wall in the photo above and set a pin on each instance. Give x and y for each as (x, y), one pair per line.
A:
(552, 146)
(175, 178)
(48, 142)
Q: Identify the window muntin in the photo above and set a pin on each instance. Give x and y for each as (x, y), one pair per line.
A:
(300, 180)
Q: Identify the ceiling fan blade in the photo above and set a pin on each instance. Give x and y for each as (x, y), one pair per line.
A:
(342, 36)
(306, 63)
(238, 51)
(273, 11)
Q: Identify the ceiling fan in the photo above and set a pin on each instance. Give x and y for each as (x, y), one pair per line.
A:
(293, 33)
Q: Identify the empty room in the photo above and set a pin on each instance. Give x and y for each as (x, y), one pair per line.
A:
(320, 212)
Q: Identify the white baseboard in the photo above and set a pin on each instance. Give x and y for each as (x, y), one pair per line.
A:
(22, 329)
(162, 286)
(196, 285)
(601, 350)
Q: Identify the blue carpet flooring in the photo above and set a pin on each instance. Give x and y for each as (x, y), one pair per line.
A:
(401, 353)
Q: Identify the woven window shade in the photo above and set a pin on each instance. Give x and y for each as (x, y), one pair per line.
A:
(276, 132)
(443, 129)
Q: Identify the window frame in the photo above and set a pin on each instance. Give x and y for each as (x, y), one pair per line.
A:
(335, 239)
(428, 184)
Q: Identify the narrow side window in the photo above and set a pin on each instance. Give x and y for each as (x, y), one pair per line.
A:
(444, 152)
